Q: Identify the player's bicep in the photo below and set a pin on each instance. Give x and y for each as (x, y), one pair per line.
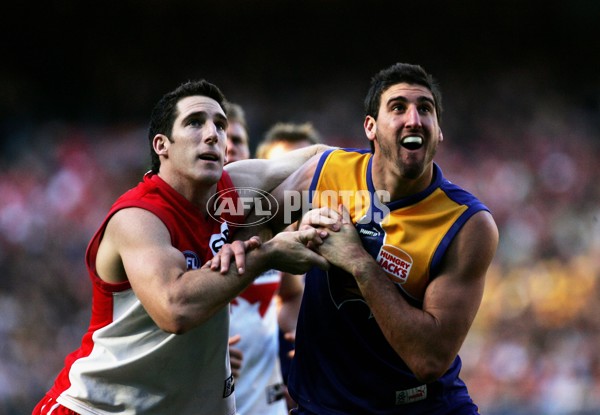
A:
(454, 296)
(248, 173)
(148, 258)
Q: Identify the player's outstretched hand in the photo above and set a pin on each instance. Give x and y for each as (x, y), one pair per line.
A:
(237, 250)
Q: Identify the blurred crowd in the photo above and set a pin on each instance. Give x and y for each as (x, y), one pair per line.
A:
(534, 346)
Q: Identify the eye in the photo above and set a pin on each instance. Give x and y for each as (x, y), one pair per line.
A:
(196, 121)
(221, 125)
(399, 108)
(426, 108)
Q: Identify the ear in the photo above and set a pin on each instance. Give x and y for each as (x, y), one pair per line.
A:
(160, 144)
(441, 136)
(370, 126)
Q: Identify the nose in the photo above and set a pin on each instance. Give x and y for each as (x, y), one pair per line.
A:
(211, 132)
(413, 119)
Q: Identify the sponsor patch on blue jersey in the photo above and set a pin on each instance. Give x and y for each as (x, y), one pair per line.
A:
(411, 395)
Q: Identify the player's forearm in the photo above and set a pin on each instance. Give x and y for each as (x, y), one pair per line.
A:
(413, 333)
(416, 335)
(198, 295)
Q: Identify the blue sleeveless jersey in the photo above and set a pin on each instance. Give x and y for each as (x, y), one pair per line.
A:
(343, 364)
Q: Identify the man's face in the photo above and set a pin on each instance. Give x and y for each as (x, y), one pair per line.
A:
(406, 131)
(196, 149)
(237, 142)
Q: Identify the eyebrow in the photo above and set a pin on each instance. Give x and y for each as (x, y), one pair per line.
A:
(420, 99)
(204, 114)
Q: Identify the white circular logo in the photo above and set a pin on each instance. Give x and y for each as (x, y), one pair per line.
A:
(254, 204)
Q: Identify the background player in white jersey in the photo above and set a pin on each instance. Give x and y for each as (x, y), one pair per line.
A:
(269, 306)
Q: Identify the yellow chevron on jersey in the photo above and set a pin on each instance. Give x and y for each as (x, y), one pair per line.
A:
(404, 236)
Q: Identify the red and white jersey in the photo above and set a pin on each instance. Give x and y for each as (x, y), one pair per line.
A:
(259, 388)
(126, 364)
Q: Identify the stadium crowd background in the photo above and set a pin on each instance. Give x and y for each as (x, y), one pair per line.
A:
(521, 126)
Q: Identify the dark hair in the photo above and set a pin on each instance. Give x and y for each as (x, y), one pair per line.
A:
(165, 111)
(396, 74)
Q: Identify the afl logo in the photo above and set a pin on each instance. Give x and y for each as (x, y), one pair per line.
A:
(191, 259)
(237, 202)
(395, 262)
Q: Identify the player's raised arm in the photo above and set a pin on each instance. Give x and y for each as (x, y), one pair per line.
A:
(267, 174)
(179, 299)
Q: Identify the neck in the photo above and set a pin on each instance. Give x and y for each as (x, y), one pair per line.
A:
(198, 193)
(400, 183)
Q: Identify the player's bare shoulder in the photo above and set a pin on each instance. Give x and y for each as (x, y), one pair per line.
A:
(477, 241)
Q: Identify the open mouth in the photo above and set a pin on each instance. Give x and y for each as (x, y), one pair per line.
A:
(412, 142)
(209, 157)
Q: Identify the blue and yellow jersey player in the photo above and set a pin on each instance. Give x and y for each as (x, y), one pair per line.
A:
(380, 331)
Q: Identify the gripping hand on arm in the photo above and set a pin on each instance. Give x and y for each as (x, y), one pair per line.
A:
(288, 252)
(450, 302)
